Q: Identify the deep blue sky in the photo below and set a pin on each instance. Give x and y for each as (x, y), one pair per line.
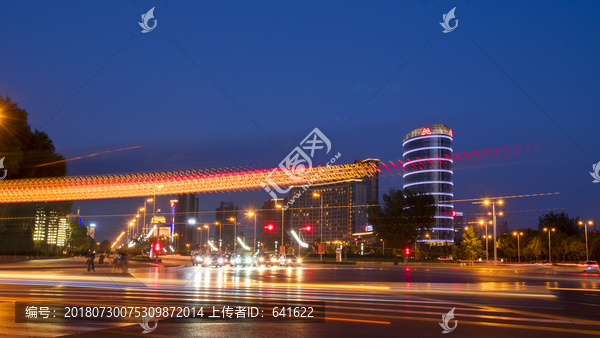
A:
(294, 66)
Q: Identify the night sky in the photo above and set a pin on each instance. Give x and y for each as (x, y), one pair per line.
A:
(225, 83)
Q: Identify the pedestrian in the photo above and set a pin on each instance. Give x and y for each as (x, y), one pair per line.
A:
(90, 259)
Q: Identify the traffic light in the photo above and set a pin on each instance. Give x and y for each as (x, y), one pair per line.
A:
(407, 251)
(157, 247)
(453, 213)
(308, 228)
(356, 239)
(270, 227)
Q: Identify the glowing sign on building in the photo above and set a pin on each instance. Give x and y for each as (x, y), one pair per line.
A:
(426, 131)
(450, 133)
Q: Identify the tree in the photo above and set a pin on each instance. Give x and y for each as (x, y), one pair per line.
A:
(404, 217)
(471, 244)
(104, 246)
(507, 246)
(79, 239)
(535, 248)
(561, 222)
(28, 154)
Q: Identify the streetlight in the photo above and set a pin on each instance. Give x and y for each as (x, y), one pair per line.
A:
(220, 241)
(318, 194)
(200, 228)
(586, 241)
(129, 231)
(549, 246)
(137, 222)
(481, 222)
(493, 202)
(518, 234)
(149, 200)
(234, 233)
(282, 220)
(250, 213)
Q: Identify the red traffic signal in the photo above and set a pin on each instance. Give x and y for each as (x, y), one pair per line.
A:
(453, 213)
(157, 247)
(308, 228)
(356, 239)
(270, 227)
(407, 251)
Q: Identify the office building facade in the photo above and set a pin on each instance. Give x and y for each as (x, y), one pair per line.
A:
(224, 230)
(339, 211)
(427, 164)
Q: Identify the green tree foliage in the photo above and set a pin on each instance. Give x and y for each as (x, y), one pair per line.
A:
(404, 216)
(28, 154)
(471, 245)
(104, 246)
(536, 248)
(561, 222)
(79, 239)
(507, 246)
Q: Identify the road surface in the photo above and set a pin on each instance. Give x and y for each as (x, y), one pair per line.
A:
(515, 301)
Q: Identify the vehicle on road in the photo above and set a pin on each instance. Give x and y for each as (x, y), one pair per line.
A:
(590, 266)
(196, 257)
(215, 260)
(247, 259)
(235, 259)
(264, 258)
(289, 260)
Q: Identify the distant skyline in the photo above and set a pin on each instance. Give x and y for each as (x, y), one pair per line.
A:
(507, 75)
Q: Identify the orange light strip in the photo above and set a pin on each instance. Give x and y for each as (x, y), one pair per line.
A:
(167, 183)
(118, 238)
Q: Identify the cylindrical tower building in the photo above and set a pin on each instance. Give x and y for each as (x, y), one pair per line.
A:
(428, 169)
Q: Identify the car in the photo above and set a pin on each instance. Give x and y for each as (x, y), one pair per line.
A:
(226, 256)
(264, 258)
(247, 259)
(590, 266)
(235, 259)
(215, 260)
(289, 260)
(196, 257)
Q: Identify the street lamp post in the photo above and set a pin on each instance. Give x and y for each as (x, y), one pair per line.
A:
(483, 223)
(220, 227)
(518, 234)
(282, 222)
(549, 244)
(586, 240)
(250, 213)
(234, 233)
(319, 194)
(493, 202)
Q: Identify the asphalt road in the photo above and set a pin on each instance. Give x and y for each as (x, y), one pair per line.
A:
(360, 301)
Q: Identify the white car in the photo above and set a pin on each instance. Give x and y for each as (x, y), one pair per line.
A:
(289, 260)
